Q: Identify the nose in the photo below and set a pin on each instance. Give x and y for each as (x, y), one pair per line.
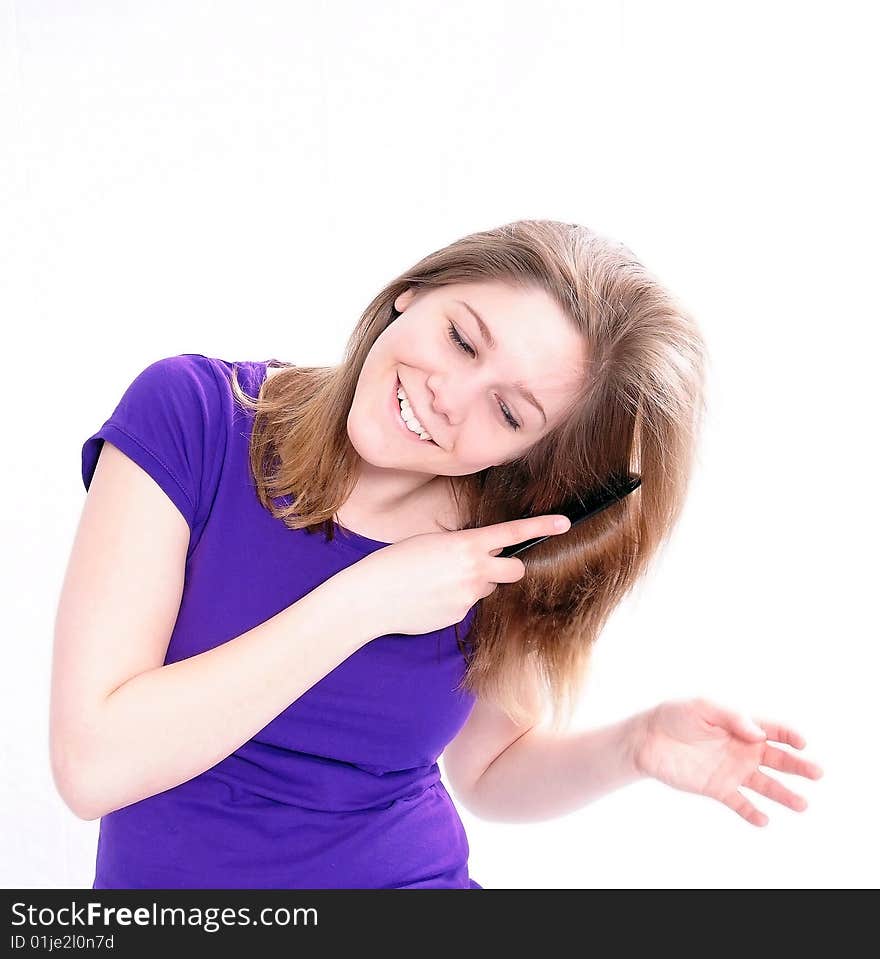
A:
(439, 404)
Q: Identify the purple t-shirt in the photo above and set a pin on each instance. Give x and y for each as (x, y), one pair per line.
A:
(342, 789)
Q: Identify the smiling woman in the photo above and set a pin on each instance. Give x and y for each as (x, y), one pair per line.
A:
(326, 608)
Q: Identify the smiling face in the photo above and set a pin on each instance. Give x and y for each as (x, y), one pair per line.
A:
(470, 396)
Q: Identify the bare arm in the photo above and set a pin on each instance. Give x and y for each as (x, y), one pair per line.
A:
(124, 726)
(167, 725)
(543, 774)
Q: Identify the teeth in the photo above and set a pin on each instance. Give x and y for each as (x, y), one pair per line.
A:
(409, 417)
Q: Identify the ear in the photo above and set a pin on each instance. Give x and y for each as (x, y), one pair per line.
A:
(404, 299)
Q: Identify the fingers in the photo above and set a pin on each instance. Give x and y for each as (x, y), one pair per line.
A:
(514, 531)
(789, 763)
(749, 728)
(511, 570)
(740, 805)
(771, 788)
(776, 791)
(782, 734)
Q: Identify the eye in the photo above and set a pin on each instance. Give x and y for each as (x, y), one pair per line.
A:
(453, 335)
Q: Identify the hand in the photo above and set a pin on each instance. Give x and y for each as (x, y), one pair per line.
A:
(430, 581)
(699, 747)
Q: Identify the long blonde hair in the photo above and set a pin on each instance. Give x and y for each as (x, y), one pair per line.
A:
(638, 410)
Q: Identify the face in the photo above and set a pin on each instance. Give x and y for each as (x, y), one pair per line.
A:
(469, 396)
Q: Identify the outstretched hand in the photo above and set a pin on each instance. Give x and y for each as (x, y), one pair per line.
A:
(700, 747)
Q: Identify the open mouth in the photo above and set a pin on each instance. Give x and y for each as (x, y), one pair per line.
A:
(399, 418)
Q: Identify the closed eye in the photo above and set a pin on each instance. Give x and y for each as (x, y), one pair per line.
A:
(454, 336)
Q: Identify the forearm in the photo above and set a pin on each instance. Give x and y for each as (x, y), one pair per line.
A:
(543, 774)
(168, 725)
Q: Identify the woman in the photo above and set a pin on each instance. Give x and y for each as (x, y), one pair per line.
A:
(258, 659)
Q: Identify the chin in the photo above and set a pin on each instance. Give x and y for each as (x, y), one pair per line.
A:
(370, 444)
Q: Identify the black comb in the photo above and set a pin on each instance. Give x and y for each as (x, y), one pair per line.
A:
(578, 508)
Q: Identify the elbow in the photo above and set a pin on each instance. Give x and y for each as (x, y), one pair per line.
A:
(81, 811)
(467, 799)
(74, 782)
(489, 807)
(479, 811)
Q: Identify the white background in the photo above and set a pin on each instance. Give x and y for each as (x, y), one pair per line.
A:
(239, 179)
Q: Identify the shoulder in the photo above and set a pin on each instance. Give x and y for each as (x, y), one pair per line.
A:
(181, 383)
(172, 420)
(185, 374)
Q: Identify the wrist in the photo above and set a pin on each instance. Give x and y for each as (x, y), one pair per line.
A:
(355, 597)
(638, 734)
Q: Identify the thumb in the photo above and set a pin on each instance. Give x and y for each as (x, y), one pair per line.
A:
(749, 729)
(731, 719)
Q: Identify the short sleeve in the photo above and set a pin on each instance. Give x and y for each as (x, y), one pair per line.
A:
(169, 422)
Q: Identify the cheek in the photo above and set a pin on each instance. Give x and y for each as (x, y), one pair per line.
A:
(476, 453)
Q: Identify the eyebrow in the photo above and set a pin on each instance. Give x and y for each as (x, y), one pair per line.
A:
(491, 344)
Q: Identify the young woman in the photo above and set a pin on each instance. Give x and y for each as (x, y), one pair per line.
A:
(283, 603)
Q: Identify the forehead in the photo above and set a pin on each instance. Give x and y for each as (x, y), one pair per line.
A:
(504, 302)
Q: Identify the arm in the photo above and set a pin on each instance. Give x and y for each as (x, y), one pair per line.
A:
(210, 704)
(542, 775)
(693, 745)
(124, 726)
